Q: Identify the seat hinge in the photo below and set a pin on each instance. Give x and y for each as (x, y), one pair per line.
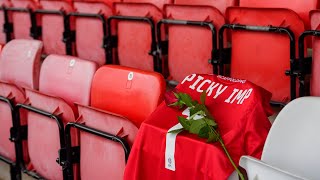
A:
(62, 159)
(110, 42)
(35, 32)
(18, 134)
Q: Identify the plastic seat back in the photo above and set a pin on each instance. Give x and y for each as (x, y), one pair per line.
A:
(89, 31)
(257, 168)
(19, 67)
(292, 144)
(63, 81)
(21, 20)
(301, 7)
(134, 37)
(315, 82)
(190, 47)
(70, 72)
(264, 57)
(20, 63)
(53, 26)
(135, 94)
(219, 4)
(108, 156)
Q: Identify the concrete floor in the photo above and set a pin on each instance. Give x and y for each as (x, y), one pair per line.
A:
(5, 172)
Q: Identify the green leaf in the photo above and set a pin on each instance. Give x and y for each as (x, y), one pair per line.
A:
(184, 122)
(212, 137)
(186, 99)
(206, 111)
(176, 131)
(196, 126)
(194, 103)
(211, 122)
(203, 97)
(196, 109)
(204, 132)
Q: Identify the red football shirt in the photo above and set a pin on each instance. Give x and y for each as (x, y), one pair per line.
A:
(241, 110)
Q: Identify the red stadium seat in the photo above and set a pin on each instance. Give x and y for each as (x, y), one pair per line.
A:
(136, 38)
(133, 89)
(52, 25)
(261, 48)
(19, 69)
(192, 39)
(158, 3)
(21, 18)
(134, 95)
(300, 7)
(219, 4)
(91, 29)
(64, 80)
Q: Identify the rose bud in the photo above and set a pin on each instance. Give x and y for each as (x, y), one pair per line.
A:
(172, 100)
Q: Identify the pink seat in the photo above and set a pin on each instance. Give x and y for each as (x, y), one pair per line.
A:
(26, 73)
(264, 57)
(53, 25)
(191, 48)
(19, 69)
(89, 31)
(133, 88)
(21, 20)
(222, 5)
(135, 37)
(63, 81)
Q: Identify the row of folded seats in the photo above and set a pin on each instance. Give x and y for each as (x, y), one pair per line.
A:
(89, 115)
(175, 38)
(178, 37)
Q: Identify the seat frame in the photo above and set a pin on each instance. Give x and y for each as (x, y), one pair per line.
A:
(294, 70)
(35, 30)
(112, 39)
(305, 63)
(72, 154)
(163, 45)
(69, 35)
(7, 26)
(20, 134)
(66, 35)
(15, 171)
(67, 155)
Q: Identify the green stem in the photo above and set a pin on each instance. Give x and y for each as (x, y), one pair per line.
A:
(229, 157)
(225, 149)
(207, 112)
